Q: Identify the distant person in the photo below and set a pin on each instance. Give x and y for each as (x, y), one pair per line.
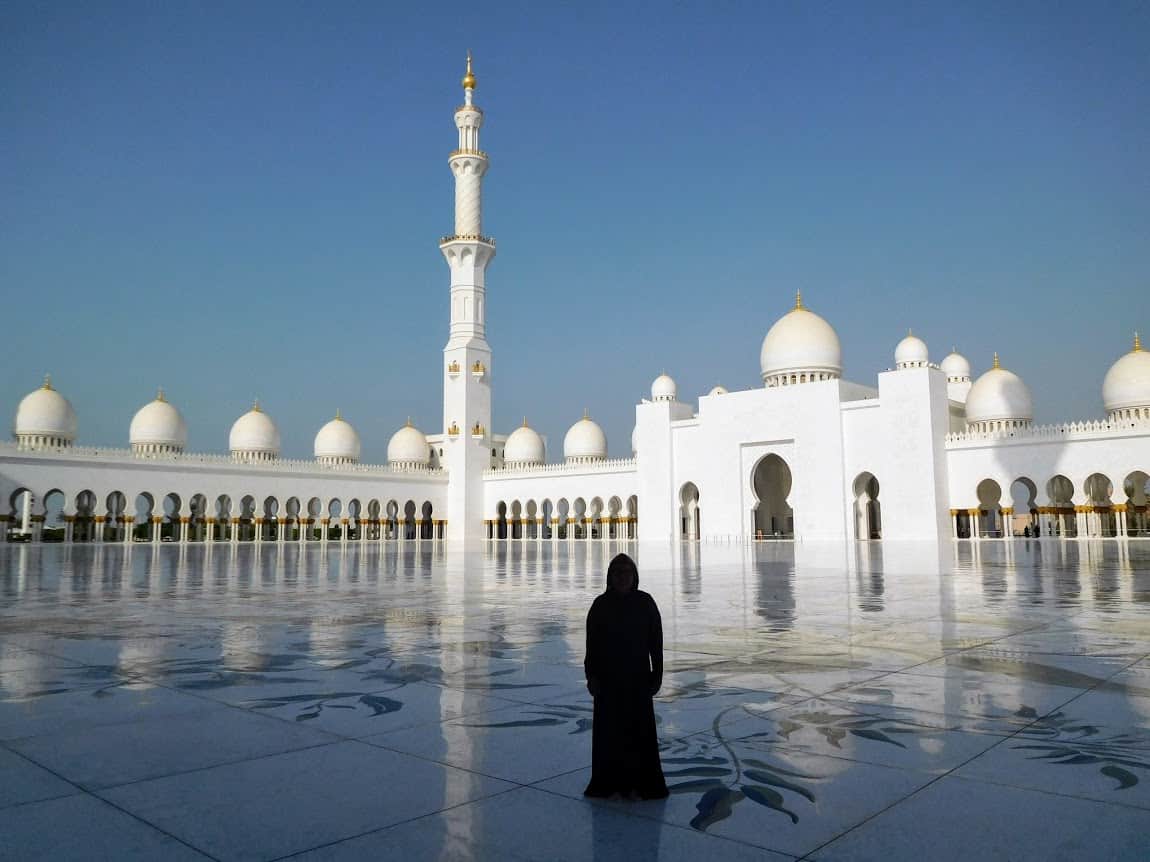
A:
(624, 667)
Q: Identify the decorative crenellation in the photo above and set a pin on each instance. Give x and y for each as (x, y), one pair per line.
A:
(468, 237)
(1063, 431)
(614, 465)
(75, 453)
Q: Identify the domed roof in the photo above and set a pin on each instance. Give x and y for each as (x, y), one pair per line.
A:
(911, 352)
(408, 445)
(158, 422)
(45, 412)
(255, 432)
(998, 394)
(1127, 383)
(801, 341)
(585, 440)
(524, 446)
(718, 390)
(337, 440)
(955, 365)
(663, 388)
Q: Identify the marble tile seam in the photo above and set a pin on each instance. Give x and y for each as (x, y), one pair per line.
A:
(617, 807)
(418, 817)
(19, 754)
(950, 773)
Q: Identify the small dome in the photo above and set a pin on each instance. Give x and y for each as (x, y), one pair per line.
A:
(718, 390)
(998, 396)
(803, 344)
(158, 427)
(524, 446)
(956, 367)
(585, 441)
(337, 442)
(45, 418)
(911, 352)
(664, 389)
(254, 435)
(1127, 383)
(408, 447)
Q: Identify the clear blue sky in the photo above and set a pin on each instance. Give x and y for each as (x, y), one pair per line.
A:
(244, 199)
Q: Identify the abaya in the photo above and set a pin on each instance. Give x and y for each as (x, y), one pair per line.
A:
(624, 667)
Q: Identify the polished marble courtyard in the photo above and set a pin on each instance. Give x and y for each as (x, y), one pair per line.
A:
(978, 701)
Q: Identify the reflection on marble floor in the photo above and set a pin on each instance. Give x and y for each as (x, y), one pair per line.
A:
(259, 702)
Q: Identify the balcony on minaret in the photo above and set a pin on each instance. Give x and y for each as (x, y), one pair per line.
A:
(467, 237)
(453, 368)
(478, 370)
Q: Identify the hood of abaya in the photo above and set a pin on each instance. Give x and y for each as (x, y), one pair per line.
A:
(622, 563)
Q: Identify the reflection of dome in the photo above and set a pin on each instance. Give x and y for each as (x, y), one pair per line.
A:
(408, 448)
(337, 442)
(158, 428)
(1126, 387)
(254, 437)
(44, 419)
(664, 388)
(911, 352)
(524, 447)
(718, 390)
(956, 367)
(800, 348)
(998, 401)
(585, 441)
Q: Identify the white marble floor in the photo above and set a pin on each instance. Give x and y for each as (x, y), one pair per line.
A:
(977, 701)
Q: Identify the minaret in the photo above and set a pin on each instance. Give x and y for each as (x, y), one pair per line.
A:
(467, 356)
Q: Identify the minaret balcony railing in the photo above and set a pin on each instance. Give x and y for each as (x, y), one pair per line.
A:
(480, 153)
(468, 237)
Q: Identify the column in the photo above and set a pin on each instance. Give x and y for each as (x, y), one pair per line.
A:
(1080, 521)
(401, 529)
(259, 530)
(98, 529)
(954, 523)
(235, 536)
(324, 524)
(1008, 523)
(26, 513)
(975, 531)
(69, 528)
(129, 521)
(183, 529)
(1120, 520)
(343, 526)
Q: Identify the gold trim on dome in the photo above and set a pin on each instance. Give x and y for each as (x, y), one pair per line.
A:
(1137, 342)
(160, 394)
(469, 81)
(997, 364)
(47, 384)
(480, 154)
(799, 301)
(256, 406)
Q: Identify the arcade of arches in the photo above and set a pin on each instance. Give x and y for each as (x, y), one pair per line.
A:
(1096, 507)
(55, 517)
(574, 520)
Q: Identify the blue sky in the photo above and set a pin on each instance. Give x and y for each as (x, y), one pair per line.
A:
(242, 200)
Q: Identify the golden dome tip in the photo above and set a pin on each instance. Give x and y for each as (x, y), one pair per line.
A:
(160, 394)
(469, 78)
(256, 406)
(996, 362)
(798, 300)
(1137, 343)
(47, 384)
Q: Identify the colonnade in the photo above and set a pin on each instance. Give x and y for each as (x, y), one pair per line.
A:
(573, 529)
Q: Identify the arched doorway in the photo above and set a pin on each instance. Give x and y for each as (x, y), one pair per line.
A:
(989, 495)
(772, 516)
(689, 522)
(1136, 488)
(868, 515)
(1024, 508)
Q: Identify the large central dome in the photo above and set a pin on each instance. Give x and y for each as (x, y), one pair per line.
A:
(800, 348)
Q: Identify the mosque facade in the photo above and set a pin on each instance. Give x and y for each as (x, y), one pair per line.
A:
(927, 452)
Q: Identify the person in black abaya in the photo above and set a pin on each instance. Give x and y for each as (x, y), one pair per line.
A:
(624, 667)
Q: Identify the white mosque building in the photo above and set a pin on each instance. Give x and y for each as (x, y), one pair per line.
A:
(924, 453)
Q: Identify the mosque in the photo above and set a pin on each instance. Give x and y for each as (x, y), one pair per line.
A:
(928, 453)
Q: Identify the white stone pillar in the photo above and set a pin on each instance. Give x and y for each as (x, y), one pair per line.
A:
(975, 523)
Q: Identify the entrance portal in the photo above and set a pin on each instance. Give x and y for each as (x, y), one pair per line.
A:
(772, 516)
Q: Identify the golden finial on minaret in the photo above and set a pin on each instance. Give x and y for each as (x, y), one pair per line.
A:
(469, 78)
(586, 413)
(338, 415)
(47, 384)
(256, 406)
(996, 362)
(160, 394)
(1137, 342)
(408, 425)
(909, 332)
(525, 422)
(798, 300)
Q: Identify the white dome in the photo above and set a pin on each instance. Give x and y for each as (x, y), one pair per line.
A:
(911, 352)
(45, 417)
(664, 389)
(408, 447)
(524, 446)
(585, 441)
(255, 435)
(158, 426)
(718, 390)
(999, 396)
(1127, 383)
(955, 366)
(799, 343)
(337, 442)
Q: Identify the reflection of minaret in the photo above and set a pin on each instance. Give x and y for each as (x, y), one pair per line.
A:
(467, 356)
